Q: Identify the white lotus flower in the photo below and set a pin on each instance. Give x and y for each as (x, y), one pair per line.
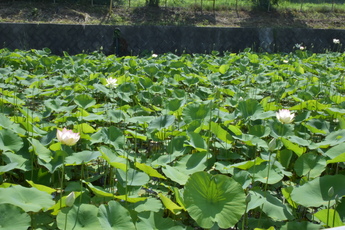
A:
(336, 41)
(154, 55)
(67, 137)
(70, 199)
(111, 82)
(285, 116)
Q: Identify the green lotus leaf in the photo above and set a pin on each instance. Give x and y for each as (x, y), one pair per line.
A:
(280, 130)
(196, 140)
(175, 175)
(84, 101)
(13, 217)
(161, 122)
(41, 151)
(300, 225)
(150, 204)
(195, 111)
(211, 199)
(272, 206)
(249, 107)
(113, 159)
(336, 153)
(79, 217)
(310, 164)
(154, 220)
(149, 170)
(6, 123)
(114, 216)
(132, 177)
(317, 126)
(10, 141)
(151, 69)
(109, 135)
(330, 217)
(78, 158)
(29, 199)
(317, 191)
(8, 167)
(260, 173)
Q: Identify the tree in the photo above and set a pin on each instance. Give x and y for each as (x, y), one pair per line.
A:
(154, 3)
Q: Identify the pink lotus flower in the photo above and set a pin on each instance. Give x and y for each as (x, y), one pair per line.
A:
(285, 116)
(67, 137)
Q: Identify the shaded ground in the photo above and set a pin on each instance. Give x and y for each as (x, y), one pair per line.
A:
(86, 14)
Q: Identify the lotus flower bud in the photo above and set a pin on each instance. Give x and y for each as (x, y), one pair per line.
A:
(272, 145)
(330, 191)
(70, 199)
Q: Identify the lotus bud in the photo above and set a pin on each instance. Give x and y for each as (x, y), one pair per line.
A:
(330, 191)
(272, 145)
(67, 137)
(248, 198)
(285, 116)
(70, 199)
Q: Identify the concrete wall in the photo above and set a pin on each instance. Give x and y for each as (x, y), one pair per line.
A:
(136, 40)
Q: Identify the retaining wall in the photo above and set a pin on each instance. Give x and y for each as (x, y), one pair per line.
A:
(135, 40)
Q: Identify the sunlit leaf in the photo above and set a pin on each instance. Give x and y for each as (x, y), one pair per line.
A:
(213, 199)
(29, 199)
(79, 217)
(310, 164)
(330, 217)
(114, 216)
(10, 141)
(84, 101)
(149, 170)
(9, 213)
(317, 191)
(170, 205)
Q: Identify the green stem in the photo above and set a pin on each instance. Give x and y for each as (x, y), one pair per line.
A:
(268, 171)
(245, 217)
(328, 213)
(62, 180)
(65, 222)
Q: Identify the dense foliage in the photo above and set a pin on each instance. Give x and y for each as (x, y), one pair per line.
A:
(172, 142)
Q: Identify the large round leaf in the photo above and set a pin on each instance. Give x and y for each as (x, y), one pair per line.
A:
(79, 217)
(310, 164)
(114, 216)
(132, 177)
(10, 141)
(315, 193)
(12, 217)
(29, 199)
(154, 220)
(84, 101)
(249, 108)
(78, 158)
(195, 112)
(214, 198)
(162, 122)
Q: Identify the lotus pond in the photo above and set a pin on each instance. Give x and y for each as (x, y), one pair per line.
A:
(172, 142)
